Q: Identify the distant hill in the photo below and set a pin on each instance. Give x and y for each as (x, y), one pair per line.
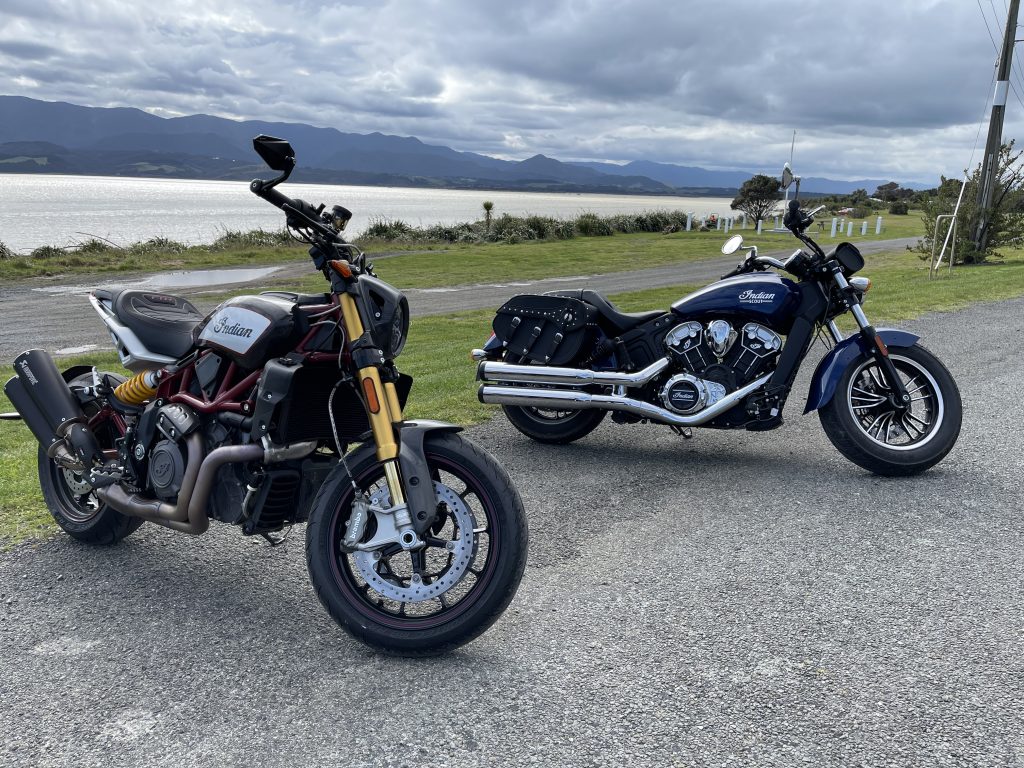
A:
(56, 137)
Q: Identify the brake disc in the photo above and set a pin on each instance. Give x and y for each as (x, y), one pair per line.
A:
(416, 590)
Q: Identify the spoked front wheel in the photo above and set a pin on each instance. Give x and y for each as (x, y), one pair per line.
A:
(865, 424)
(426, 601)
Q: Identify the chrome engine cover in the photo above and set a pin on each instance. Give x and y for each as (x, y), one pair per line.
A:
(720, 337)
(686, 394)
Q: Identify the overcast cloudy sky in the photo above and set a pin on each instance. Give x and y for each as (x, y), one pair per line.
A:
(890, 88)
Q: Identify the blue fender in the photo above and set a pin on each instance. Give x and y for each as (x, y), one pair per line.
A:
(845, 353)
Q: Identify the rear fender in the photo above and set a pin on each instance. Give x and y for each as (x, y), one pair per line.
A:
(845, 353)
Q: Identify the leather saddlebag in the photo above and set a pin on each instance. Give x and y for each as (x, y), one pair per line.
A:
(545, 329)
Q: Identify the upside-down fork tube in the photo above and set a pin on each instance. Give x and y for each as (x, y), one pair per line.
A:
(382, 407)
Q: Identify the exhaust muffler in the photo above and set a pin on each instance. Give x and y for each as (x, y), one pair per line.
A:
(51, 411)
(536, 374)
(573, 400)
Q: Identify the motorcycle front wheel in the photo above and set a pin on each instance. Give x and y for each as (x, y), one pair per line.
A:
(425, 602)
(864, 424)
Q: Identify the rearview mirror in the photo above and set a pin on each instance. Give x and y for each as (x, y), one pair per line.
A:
(732, 244)
(276, 153)
(787, 176)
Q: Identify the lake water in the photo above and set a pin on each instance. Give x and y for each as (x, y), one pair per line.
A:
(61, 210)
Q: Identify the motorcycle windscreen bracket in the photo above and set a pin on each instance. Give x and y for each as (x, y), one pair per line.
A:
(545, 329)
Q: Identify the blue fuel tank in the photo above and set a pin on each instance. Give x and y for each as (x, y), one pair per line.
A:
(763, 298)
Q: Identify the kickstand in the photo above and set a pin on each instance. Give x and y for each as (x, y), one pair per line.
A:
(277, 540)
(686, 432)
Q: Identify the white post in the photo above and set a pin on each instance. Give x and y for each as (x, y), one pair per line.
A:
(689, 221)
(776, 222)
(878, 226)
(759, 223)
(718, 221)
(849, 229)
(744, 221)
(834, 220)
(727, 226)
(864, 228)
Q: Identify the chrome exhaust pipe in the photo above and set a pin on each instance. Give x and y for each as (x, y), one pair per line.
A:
(576, 400)
(536, 374)
(188, 514)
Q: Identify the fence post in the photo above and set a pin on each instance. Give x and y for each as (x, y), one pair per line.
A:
(849, 229)
(759, 223)
(864, 228)
(878, 226)
(689, 221)
(718, 221)
(834, 221)
(776, 222)
(744, 221)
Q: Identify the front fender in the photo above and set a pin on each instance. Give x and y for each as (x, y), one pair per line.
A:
(845, 353)
(419, 488)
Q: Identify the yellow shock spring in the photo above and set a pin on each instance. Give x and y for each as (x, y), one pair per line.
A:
(138, 389)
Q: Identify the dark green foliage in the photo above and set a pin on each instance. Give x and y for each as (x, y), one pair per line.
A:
(232, 240)
(47, 252)
(592, 225)
(1005, 217)
(5, 252)
(758, 196)
(899, 208)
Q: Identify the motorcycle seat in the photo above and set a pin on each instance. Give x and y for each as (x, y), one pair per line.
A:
(163, 323)
(616, 319)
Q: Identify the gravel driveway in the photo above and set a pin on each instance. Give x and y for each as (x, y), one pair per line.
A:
(738, 599)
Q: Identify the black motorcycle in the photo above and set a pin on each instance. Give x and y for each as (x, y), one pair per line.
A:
(416, 540)
(725, 357)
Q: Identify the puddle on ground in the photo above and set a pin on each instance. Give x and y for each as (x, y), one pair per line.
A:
(162, 281)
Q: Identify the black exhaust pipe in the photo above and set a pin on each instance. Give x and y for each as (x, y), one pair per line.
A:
(50, 409)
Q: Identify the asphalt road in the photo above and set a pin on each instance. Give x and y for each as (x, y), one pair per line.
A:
(35, 316)
(738, 599)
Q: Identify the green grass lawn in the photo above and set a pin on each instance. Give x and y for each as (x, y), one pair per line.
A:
(430, 265)
(437, 355)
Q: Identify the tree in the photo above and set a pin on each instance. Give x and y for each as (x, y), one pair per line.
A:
(488, 213)
(892, 192)
(757, 196)
(1005, 223)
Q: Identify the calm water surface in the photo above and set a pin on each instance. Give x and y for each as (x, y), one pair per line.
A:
(61, 210)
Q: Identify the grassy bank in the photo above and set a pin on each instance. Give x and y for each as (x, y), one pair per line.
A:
(437, 356)
(433, 261)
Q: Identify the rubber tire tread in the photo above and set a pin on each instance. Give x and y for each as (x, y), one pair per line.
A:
(108, 526)
(466, 627)
(848, 439)
(562, 432)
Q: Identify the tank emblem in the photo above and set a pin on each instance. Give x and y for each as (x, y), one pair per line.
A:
(235, 328)
(756, 297)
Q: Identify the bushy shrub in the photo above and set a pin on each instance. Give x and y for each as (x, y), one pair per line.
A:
(255, 238)
(5, 252)
(47, 252)
(159, 245)
(511, 229)
(860, 212)
(387, 229)
(899, 208)
(94, 245)
(592, 225)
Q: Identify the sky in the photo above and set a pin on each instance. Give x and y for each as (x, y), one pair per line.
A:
(893, 89)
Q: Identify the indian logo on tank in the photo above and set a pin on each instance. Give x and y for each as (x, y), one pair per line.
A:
(756, 297)
(235, 328)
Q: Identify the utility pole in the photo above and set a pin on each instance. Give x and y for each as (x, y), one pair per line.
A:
(990, 166)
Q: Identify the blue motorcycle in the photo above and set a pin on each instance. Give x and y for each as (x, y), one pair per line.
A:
(726, 357)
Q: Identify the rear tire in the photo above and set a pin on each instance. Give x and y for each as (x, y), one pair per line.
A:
(73, 504)
(870, 433)
(548, 426)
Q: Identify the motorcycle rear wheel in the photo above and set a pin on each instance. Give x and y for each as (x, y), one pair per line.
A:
(379, 606)
(863, 425)
(73, 503)
(550, 426)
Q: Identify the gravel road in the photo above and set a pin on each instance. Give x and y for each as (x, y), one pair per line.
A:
(738, 599)
(35, 316)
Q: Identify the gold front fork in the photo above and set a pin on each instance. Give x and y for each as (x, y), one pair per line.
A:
(382, 406)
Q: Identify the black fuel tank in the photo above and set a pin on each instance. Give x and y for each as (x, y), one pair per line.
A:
(252, 329)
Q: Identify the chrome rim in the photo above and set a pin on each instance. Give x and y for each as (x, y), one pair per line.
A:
(871, 404)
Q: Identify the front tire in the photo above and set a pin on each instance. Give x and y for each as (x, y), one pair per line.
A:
(866, 428)
(376, 599)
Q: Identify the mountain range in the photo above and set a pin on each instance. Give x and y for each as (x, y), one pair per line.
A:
(57, 137)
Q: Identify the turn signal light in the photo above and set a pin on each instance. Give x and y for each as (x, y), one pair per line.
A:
(341, 266)
(862, 284)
